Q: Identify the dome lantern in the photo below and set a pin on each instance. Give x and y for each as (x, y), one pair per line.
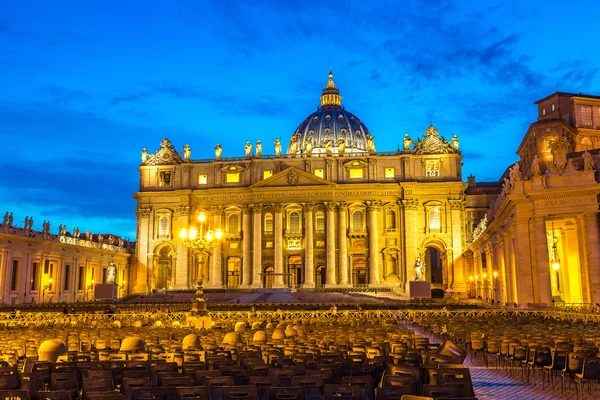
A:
(331, 94)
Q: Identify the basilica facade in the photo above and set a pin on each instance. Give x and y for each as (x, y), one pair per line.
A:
(325, 210)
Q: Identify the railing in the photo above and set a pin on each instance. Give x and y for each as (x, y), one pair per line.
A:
(56, 319)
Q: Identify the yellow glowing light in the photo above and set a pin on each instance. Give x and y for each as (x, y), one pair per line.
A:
(471, 278)
(183, 233)
(484, 276)
(218, 234)
(476, 276)
(201, 217)
(93, 281)
(193, 233)
(495, 274)
(555, 266)
(209, 235)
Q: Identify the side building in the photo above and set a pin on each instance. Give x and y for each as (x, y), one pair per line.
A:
(330, 212)
(38, 267)
(539, 241)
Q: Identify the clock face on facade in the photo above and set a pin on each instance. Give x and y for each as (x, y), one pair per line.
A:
(166, 156)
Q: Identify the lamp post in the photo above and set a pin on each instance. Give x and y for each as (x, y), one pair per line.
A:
(196, 238)
(47, 286)
(555, 262)
(201, 238)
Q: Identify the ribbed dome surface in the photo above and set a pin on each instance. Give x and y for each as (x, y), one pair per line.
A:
(330, 122)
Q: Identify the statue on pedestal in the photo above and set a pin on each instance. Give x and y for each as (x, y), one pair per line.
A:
(187, 152)
(341, 145)
(111, 273)
(419, 270)
(218, 151)
(407, 142)
(535, 166)
(258, 152)
(277, 144)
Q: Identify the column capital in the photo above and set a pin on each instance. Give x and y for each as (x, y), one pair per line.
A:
(278, 207)
(256, 208)
(342, 206)
(216, 209)
(143, 212)
(373, 205)
(309, 207)
(245, 209)
(410, 204)
(182, 211)
(456, 204)
(330, 205)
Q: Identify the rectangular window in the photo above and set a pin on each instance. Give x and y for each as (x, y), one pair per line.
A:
(267, 174)
(390, 172)
(202, 179)
(46, 266)
(80, 278)
(596, 117)
(67, 276)
(543, 111)
(552, 106)
(163, 226)
(14, 274)
(356, 173)
(583, 115)
(104, 275)
(233, 177)
(320, 172)
(34, 275)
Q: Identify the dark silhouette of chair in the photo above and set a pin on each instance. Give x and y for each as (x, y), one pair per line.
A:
(263, 384)
(559, 359)
(244, 392)
(437, 391)
(284, 375)
(393, 392)
(172, 382)
(286, 393)
(456, 377)
(55, 395)
(573, 365)
(542, 357)
(45, 368)
(151, 393)
(365, 382)
(9, 379)
(105, 396)
(97, 384)
(215, 385)
(192, 393)
(128, 384)
(201, 375)
(313, 385)
(408, 383)
(15, 394)
(33, 382)
(166, 367)
(590, 374)
(65, 381)
(341, 392)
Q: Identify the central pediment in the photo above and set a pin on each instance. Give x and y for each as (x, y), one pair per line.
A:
(292, 177)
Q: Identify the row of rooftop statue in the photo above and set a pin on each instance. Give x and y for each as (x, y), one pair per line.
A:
(329, 146)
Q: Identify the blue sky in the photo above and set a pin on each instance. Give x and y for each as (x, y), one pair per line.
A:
(86, 85)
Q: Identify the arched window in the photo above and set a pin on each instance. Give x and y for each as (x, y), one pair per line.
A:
(435, 219)
(233, 225)
(586, 144)
(294, 221)
(320, 222)
(163, 226)
(357, 220)
(268, 223)
(390, 219)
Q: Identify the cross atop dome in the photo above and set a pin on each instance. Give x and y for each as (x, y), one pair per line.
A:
(331, 94)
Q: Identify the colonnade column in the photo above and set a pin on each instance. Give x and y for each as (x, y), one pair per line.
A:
(372, 209)
(342, 235)
(330, 270)
(591, 246)
(278, 222)
(246, 257)
(309, 256)
(522, 249)
(410, 249)
(215, 279)
(509, 279)
(182, 264)
(257, 244)
(142, 282)
(542, 262)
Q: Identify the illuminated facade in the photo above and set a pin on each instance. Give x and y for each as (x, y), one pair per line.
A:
(329, 212)
(43, 267)
(539, 241)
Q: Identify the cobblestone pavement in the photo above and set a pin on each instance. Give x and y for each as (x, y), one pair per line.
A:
(500, 384)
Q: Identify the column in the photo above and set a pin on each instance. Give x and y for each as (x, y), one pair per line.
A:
(330, 271)
(542, 263)
(343, 238)
(457, 278)
(372, 208)
(215, 279)
(150, 278)
(182, 265)
(592, 253)
(309, 243)
(410, 249)
(509, 279)
(142, 283)
(278, 244)
(522, 249)
(246, 245)
(257, 245)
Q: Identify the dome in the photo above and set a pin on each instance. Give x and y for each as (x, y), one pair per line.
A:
(323, 131)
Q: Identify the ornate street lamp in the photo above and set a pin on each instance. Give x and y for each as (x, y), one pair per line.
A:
(555, 262)
(196, 238)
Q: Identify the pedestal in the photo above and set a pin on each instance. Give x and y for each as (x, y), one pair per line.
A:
(419, 289)
(105, 292)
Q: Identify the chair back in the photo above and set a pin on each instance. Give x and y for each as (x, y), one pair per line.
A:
(341, 392)
(286, 393)
(244, 392)
(591, 368)
(192, 393)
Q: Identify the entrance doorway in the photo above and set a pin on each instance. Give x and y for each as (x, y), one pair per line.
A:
(233, 272)
(295, 269)
(433, 264)
(320, 276)
(359, 270)
(268, 277)
(164, 275)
